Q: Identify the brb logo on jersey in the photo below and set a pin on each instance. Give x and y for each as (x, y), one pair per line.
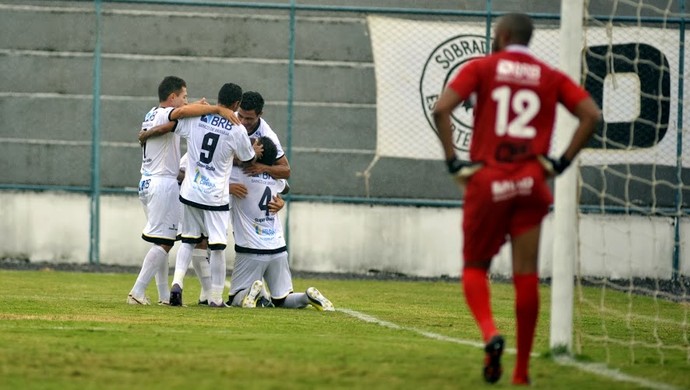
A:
(443, 64)
(217, 121)
(150, 115)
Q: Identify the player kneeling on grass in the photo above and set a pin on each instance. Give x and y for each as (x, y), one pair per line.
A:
(261, 252)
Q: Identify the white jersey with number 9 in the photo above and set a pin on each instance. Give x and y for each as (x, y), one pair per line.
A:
(212, 143)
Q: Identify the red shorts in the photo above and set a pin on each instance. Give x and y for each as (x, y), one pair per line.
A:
(502, 201)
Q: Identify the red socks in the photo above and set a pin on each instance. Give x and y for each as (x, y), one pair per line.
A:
(526, 312)
(475, 285)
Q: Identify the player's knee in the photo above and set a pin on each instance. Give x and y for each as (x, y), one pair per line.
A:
(482, 265)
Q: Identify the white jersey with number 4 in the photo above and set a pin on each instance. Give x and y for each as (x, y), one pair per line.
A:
(255, 229)
(212, 143)
(160, 155)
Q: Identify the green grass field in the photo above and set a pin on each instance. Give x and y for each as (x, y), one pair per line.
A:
(68, 330)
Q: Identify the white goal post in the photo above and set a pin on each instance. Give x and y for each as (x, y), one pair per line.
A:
(565, 200)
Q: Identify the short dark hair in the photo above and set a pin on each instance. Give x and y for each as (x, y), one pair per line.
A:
(520, 26)
(169, 85)
(229, 94)
(268, 157)
(252, 101)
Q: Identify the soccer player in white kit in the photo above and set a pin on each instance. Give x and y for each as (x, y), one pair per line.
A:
(159, 189)
(158, 192)
(261, 251)
(200, 253)
(250, 114)
(212, 144)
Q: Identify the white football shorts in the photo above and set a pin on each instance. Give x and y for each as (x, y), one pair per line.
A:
(160, 198)
(212, 224)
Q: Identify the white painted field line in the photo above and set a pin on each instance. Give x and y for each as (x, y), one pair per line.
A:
(386, 324)
(597, 369)
(602, 370)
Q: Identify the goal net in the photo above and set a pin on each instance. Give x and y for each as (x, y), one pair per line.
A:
(634, 187)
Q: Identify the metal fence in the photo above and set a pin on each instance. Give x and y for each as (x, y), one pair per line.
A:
(76, 87)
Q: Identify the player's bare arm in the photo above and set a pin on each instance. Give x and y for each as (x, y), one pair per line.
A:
(276, 204)
(155, 131)
(444, 108)
(229, 115)
(461, 170)
(258, 148)
(588, 114)
(279, 170)
(238, 190)
(245, 164)
(192, 110)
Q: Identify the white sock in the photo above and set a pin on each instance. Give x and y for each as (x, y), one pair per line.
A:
(264, 292)
(218, 270)
(296, 301)
(148, 269)
(202, 268)
(162, 279)
(184, 257)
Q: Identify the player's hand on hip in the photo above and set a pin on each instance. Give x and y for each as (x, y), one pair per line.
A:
(238, 190)
(552, 166)
(462, 170)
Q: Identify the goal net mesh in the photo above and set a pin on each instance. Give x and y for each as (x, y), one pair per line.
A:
(634, 188)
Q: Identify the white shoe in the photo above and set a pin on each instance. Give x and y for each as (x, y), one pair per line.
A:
(249, 300)
(317, 300)
(132, 300)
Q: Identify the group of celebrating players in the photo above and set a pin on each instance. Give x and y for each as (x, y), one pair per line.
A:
(234, 170)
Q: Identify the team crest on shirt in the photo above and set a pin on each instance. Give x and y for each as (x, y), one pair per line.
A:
(443, 64)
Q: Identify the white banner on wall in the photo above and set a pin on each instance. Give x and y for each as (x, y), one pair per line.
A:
(414, 60)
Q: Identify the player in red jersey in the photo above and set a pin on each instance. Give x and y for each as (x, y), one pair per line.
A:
(506, 191)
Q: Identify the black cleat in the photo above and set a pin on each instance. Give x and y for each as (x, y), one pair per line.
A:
(203, 303)
(492, 360)
(175, 295)
(264, 302)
